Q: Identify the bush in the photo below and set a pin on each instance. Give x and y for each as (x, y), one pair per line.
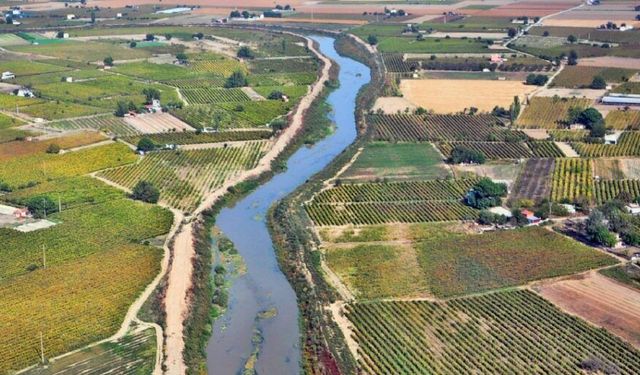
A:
(236, 79)
(145, 144)
(372, 39)
(486, 193)
(53, 149)
(245, 53)
(275, 95)
(598, 83)
(461, 154)
(145, 191)
(108, 61)
(40, 207)
(133, 44)
(537, 79)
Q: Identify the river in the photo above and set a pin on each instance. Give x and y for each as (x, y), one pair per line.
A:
(243, 330)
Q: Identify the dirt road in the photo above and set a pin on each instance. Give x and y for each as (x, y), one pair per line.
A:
(180, 274)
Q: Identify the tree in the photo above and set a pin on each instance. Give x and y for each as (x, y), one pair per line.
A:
(461, 154)
(572, 39)
(514, 109)
(246, 14)
(182, 57)
(168, 36)
(121, 108)
(145, 144)
(589, 117)
(598, 130)
(145, 191)
(133, 44)
(53, 149)
(598, 83)
(573, 58)
(93, 17)
(546, 33)
(604, 237)
(60, 34)
(235, 14)
(486, 193)
(536, 79)
(42, 206)
(150, 94)
(372, 39)
(236, 79)
(276, 95)
(149, 37)
(245, 53)
(512, 32)
(108, 61)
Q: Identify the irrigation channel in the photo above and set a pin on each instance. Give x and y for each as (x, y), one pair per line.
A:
(246, 329)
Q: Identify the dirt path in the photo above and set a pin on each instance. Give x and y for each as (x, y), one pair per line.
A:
(179, 282)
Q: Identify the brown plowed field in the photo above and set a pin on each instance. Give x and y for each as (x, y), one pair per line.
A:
(535, 180)
(529, 8)
(598, 300)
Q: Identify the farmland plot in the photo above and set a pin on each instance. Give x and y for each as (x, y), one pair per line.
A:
(549, 113)
(628, 145)
(184, 177)
(623, 120)
(492, 150)
(572, 179)
(582, 76)
(185, 138)
(214, 95)
(156, 123)
(107, 123)
(505, 332)
(534, 181)
(605, 190)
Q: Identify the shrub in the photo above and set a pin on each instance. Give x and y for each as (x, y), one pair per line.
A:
(236, 79)
(145, 191)
(145, 144)
(461, 154)
(108, 61)
(245, 53)
(53, 149)
(40, 207)
(598, 83)
(372, 39)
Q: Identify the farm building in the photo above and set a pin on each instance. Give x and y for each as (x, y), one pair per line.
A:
(633, 208)
(24, 92)
(571, 209)
(531, 218)
(71, 17)
(501, 211)
(8, 75)
(621, 99)
(612, 139)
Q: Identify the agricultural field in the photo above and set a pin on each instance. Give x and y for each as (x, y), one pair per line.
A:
(42, 167)
(294, 65)
(610, 169)
(185, 138)
(572, 179)
(605, 190)
(214, 95)
(107, 123)
(184, 177)
(477, 334)
(133, 354)
(83, 51)
(623, 120)
(581, 76)
(16, 149)
(505, 150)
(61, 110)
(534, 181)
(628, 88)
(628, 145)
(9, 122)
(11, 40)
(456, 95)
(26, 68)
(610, 36)
(626, 274)
(563, 135)
(397, 161)
(549, 113)
(416, 128)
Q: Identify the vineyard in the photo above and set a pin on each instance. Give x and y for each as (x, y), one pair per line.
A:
(533, 182)
(499, 333)
(221, 67)
(107, 123)
(408, 128)
(43, 166)
(297, 65)
(549, 113)
(86, 300)
(568, 135)
(214, 95)
(606, 190)
(572, 179)
(389, 212)
(183, 177)
(199, 83)
(623, 120)
(395, 63)
(628, 145)
(582, 76)
(505, 150)
(235, 115)
(185, 138)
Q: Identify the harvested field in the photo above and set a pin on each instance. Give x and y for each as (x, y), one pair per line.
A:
(393, 104)
(570, 93)
(528, 8)
(497, 171)
(600, 301)
(457, 95)
(608, 169)
(612, 62)
(535, 180)
(630, 168)
(157, 123)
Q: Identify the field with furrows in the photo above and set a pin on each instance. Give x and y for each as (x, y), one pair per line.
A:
(492, 150)
(545, 149)
(504, 332)
(581, 76)
(534, 181)
(572, 179)
(214, 95)
(628, 145)
(185, 138)
(407, 128)
(107, 123)
(283, 66)
(623, 120)
(605, 190)
(198, 83)
(184, 177)
(549, 113)
(568, 135)
(221, 67)
(394, 62)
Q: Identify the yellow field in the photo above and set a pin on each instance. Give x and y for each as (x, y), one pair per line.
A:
(454, 95)
(623, 120)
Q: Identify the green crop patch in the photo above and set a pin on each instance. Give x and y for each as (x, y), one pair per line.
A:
(83, 51)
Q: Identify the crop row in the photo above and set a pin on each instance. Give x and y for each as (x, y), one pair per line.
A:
(606, 190)
(563, 135)
(184, 177)
(623, 120)
(549, 113)
(572, 179)
(214, 95)
(197, 83)
(499, 333)
(389, 212)
(289, 65)
(628, 145)
(396, 191)
(108, 124)
(185, 138)
(545, 149)
(492, 150)
(221, 67)
(407, 128)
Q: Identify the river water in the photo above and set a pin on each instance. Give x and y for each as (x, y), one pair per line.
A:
(245, 328)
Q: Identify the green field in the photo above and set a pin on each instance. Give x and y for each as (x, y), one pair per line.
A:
(446, 262)
(397, 161)
(83, 51)
(431, 45)
(514, 332)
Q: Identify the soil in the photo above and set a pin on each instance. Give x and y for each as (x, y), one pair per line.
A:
(157, 123)
(600, 301)
(612, 62)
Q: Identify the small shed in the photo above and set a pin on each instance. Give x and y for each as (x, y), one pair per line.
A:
(571, 209)
(496, 59)
(71, 17)
(633, 208)
(612, 139)
(531, 218)
(8, 75)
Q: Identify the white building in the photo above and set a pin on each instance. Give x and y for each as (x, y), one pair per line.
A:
(501, 211)
(8, 75)
(633, 208)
